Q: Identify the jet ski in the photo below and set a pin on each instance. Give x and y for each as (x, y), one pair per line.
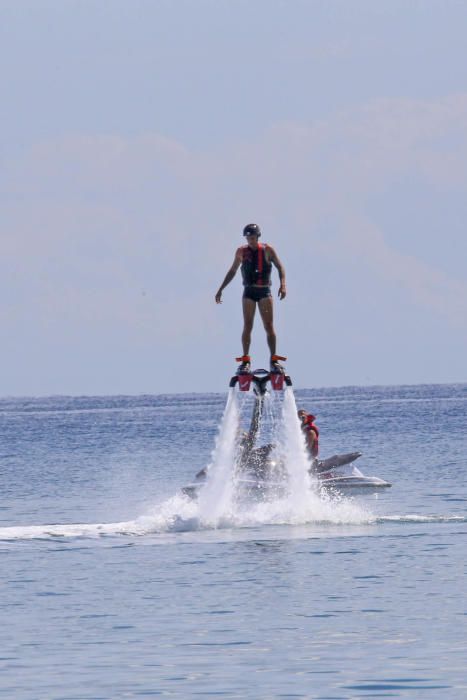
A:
(338, 474)
(261, 474)
(266, 478)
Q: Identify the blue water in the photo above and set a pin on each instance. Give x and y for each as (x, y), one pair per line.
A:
(112, 586)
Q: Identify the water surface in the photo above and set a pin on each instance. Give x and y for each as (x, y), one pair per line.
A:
(113, 588)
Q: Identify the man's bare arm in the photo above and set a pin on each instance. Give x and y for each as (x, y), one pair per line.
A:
(229, 277)
(281, 270)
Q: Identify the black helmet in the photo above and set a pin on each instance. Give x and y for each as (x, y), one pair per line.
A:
(252, 230)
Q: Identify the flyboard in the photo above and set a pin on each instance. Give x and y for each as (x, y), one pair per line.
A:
(260, 469)
(260, 377)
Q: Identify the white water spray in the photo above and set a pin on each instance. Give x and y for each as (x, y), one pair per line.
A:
(215, 499)
(295, 454)
(223, 501)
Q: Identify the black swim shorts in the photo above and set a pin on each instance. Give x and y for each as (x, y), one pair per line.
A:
(256, 293)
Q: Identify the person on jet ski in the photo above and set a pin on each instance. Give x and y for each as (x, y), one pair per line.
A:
(311, 432)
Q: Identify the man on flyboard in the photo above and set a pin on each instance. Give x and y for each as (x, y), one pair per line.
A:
(256, 260)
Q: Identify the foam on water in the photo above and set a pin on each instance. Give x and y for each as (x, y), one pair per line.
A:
(413, 518)
(179, 515)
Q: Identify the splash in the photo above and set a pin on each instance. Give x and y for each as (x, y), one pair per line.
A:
(215, 499)
(295, 455)
(295, 499)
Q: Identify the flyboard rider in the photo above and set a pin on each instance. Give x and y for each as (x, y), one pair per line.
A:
(256, 260)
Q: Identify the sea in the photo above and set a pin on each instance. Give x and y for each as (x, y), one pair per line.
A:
(115, 584)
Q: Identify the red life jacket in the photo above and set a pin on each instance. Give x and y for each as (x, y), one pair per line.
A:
(256, 268)
(308, 426)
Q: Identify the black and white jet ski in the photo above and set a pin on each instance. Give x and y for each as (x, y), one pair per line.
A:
(260, 473)
(337, 473)
(266, 477)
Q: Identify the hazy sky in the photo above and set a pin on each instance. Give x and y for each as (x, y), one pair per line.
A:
(138, 137)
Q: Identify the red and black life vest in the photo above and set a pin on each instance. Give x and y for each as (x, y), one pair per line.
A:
(308, 425)
(256, 268)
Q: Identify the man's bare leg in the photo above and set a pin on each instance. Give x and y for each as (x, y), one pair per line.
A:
(249, 309)
(267, 316)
